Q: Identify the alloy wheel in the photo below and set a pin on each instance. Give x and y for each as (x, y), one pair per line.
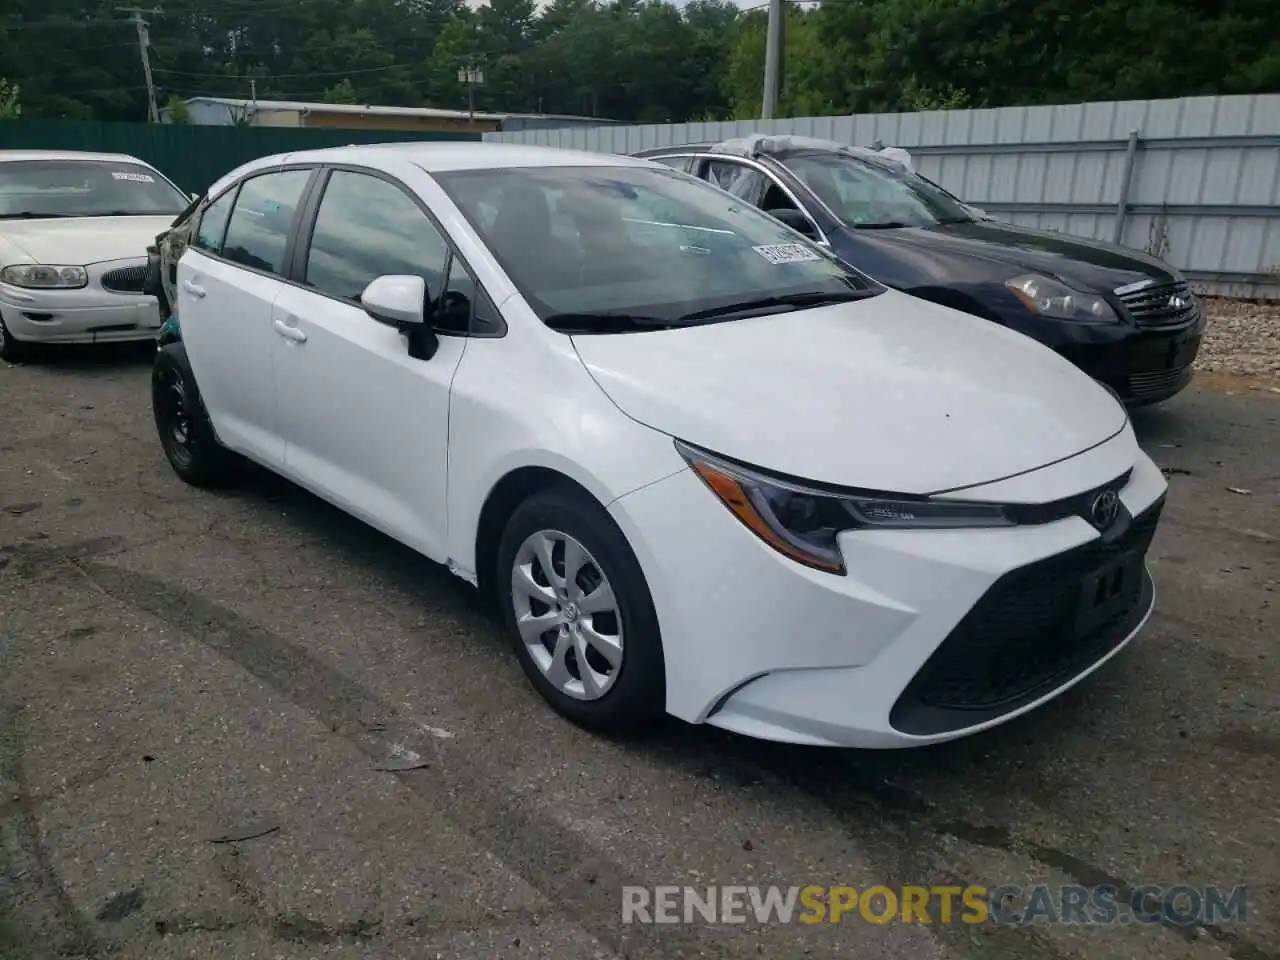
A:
(567, 614)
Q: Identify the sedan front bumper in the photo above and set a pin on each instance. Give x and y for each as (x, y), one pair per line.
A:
(90, 314)
(930, 635)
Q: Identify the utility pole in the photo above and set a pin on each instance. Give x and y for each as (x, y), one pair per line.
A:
(253, 89)
(144, 42)
(472, 76)
(773, 58)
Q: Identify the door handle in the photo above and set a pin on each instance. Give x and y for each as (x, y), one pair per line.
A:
(193, 288)
(288, 332)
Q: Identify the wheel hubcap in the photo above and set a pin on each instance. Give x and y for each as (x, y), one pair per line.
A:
(567, 615)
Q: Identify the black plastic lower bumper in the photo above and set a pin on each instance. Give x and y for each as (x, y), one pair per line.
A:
(1034, 630)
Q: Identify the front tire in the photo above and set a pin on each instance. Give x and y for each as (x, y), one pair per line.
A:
(579, 612)
(183, 425)
(11, 350)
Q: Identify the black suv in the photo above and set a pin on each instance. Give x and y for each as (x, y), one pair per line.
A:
(1127, 319)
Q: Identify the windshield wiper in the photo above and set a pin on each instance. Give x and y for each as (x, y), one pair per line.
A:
(28, 215)
(794, 301)
(604, 322)
(886, 225)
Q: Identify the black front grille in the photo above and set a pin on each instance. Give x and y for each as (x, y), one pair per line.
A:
(1018, 642)
(1162, 305)
(125, 279)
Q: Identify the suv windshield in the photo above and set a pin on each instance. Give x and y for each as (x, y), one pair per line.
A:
(84, 188)
(615, 248)
(864, 193)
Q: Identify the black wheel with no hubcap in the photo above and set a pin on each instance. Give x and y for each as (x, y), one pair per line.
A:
(185, 432)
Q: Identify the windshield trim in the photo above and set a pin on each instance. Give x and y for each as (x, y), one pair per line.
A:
(179, 194)
(880, 167)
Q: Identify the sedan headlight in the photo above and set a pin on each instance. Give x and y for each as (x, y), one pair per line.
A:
(1050, 298)
(804, 523)
(40, 276)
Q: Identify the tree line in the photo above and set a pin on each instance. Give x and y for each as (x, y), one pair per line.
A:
(635, 60)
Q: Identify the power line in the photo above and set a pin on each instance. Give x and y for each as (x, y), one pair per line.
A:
(61, 24)
(286, 76)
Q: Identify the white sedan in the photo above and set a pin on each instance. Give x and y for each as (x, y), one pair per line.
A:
(74, 230)
(701, 466)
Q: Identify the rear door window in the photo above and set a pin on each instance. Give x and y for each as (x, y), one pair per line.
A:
(213, 223)
(739, 179)
(258, 231)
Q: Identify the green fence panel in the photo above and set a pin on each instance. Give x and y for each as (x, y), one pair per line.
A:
(194, 156)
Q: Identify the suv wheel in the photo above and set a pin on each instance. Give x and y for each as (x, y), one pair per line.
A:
(579, 612)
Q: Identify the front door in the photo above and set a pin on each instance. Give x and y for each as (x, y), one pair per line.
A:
(367, 426)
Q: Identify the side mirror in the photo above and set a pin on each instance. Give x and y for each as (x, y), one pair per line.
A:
(400, 302)
(794, 219)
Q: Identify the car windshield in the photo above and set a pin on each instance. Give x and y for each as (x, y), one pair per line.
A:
(864, 193)
(616, 248)
(84, 188)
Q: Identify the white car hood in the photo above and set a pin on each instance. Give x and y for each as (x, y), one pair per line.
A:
(889, 393)
(83, 240)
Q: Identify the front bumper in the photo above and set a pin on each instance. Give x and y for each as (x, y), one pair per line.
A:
(91, 314)
(888, 655)
(1141, 365)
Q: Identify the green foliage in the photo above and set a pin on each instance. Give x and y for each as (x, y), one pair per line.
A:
(178, 112)
(639, 60)
(343, 92)
(10, 108)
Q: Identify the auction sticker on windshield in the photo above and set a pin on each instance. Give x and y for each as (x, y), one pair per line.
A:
(786, 253)
(134, 177)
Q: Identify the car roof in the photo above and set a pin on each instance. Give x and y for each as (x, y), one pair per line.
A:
(457, 155)
(15, 155)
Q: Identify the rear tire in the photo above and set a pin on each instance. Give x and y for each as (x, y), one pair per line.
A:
(599, 660)
(183, 425)
(11, 350)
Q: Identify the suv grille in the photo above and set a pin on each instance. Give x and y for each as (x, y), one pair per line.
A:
(125, 279)
(1017, 642)
(1162, 305)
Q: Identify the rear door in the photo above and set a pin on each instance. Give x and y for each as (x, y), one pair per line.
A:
(227, 284)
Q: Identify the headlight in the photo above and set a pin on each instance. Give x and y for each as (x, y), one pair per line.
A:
(42, 276)
(804, 522)
(1049, 298)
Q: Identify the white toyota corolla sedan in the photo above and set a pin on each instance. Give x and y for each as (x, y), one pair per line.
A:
(74, 230)
(701, 466)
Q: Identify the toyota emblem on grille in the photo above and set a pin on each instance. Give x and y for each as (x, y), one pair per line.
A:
(1103, 510)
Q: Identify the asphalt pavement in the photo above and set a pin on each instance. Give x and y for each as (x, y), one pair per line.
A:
(243, 725)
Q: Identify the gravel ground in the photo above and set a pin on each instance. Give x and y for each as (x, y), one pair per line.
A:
(179, 668)
(1241, 338)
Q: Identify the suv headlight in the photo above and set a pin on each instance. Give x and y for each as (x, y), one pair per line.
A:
(1050, 298)
(40, 276)
(804, 523)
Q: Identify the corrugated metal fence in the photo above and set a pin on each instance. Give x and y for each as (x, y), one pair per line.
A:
(1195, 180)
